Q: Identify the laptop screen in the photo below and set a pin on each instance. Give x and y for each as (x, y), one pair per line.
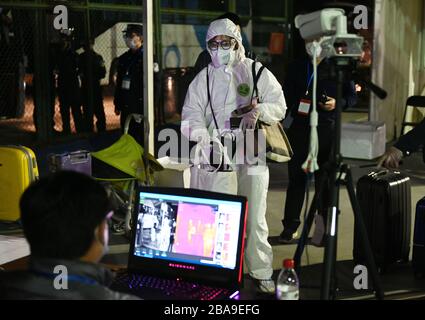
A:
(188, 230)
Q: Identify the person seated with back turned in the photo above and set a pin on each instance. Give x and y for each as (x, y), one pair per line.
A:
(65, 221)
(406, 144)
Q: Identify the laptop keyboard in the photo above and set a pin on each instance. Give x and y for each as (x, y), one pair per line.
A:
(149, 287)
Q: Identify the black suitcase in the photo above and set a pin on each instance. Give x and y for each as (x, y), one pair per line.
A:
(418, 259)
(385, 201)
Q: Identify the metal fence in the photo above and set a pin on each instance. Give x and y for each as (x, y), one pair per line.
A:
(30, 54)
(16, 56)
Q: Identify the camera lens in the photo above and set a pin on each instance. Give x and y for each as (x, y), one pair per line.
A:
(341, 47)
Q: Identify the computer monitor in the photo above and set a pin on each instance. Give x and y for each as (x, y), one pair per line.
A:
(188, 233)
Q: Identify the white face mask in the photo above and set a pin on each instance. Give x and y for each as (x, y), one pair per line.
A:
(131, 43)
(222, 57)
(309, 47)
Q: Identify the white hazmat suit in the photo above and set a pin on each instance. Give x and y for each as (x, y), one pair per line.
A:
(225, 83)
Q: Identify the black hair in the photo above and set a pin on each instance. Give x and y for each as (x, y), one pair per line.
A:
(60, 213)
(232, 17)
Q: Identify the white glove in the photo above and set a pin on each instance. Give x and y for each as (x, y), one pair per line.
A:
(391, 159)
(249, 119)
(200, 153)
(201, 137)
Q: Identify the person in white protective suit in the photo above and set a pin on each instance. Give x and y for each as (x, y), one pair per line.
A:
(230, 83)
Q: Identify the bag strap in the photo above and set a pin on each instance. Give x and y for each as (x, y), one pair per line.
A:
(256, 77)
(241, 111)
(209, 99)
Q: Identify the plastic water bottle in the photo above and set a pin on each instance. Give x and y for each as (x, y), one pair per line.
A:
(287, 287)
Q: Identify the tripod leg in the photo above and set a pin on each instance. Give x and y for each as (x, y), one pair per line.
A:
(332, 219)
(304, 235)
(330, 248)
(308, 223)
(371, 266)
(334, 279)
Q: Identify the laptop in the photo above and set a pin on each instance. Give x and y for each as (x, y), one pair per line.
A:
(186, 244)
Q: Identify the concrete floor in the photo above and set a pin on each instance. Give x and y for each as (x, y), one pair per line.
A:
(314, 255)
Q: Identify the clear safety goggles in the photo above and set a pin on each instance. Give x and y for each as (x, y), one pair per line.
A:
(225, 44)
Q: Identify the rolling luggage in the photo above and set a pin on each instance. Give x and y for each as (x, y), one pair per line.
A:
(79, 161)
(18, 168)
(418, 260)
(385, 202)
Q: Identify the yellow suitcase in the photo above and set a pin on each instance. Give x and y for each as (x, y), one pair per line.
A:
(18, 168)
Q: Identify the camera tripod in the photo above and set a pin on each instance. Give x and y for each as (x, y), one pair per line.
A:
(334, 174)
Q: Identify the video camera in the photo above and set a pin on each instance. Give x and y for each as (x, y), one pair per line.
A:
(330, 26)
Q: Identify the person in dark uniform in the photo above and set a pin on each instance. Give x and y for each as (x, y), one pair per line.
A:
(5, 24)
(406, 144)
(92, 70)
(298, 87)
(69, 84)
(129, 84)
(52, 56)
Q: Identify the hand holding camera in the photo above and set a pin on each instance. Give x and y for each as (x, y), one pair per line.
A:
(249, 119)
(245, 118)
(327, 103)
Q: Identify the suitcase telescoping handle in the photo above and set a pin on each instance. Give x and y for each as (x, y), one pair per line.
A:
(380, 173)
(79, 156)
(139, 118)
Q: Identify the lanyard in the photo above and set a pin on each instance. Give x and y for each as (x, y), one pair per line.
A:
(309, 78)
(72, 277)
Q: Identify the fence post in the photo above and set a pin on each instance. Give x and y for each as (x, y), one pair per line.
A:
(41, 76)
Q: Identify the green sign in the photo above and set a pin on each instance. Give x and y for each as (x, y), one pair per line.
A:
(244, 89)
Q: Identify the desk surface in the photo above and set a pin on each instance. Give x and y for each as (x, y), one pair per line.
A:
(13, 248)
(19, 264)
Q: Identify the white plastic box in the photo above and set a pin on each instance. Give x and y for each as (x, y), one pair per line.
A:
(363, 140)
(174, 175)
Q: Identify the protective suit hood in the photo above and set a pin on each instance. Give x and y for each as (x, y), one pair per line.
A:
(227, 28)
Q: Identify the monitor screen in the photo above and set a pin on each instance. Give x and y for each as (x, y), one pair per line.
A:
(188, 229)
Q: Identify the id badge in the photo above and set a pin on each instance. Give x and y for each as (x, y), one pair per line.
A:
(304, 107)
(126, 83)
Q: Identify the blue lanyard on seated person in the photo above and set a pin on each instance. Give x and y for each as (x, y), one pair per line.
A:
(72, 277)
(309, 79)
